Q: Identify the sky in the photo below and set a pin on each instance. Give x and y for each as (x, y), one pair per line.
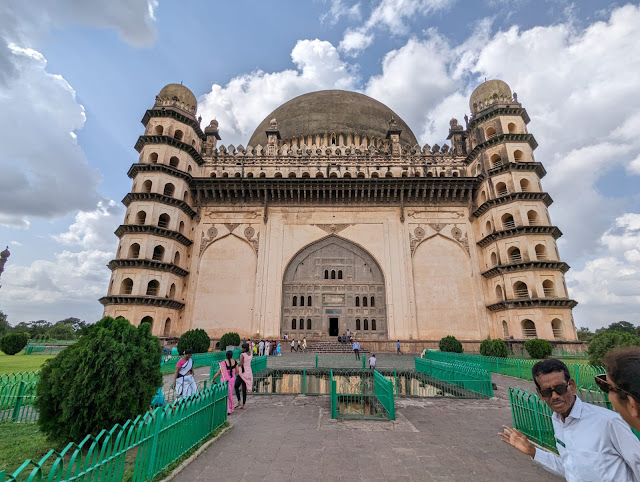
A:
(76, 77)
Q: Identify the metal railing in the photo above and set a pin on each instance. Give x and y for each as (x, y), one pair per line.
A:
(529, 333)
(358, 394)
(521, 293)
(44, 349)
(474, 381)
(31, 376)
(508, 225)
(138, 450)
(383, 389)
(16, 401)
(517, 367)
(549, 292)
(168, 365)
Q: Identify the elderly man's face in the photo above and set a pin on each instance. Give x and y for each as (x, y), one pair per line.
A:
(559, 403)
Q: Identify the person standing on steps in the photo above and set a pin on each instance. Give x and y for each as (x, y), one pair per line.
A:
(244, 379)
(356, 349)
(267, 347)
(261, 348)
(304, 344)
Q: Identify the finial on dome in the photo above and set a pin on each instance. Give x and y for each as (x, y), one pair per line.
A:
(5, 254)
(273, 124)
(212, 129)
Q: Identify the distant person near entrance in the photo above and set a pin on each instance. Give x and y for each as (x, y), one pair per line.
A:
(372, 361)
(398, 352)
(244, 379)
(293, 346)
(356, 349)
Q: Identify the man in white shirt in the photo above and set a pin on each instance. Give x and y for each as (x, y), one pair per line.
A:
(372, 361)
(594, 443)
(261, 348)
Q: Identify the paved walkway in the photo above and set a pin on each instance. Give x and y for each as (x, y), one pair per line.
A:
(294, 438)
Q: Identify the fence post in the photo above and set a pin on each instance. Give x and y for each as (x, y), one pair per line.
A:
(364, 362)
(316, 360)
(395, 379)
(535, 404)
(577, 377)
(304, 381)
(18, 406)
(154, 444)
(518, 361)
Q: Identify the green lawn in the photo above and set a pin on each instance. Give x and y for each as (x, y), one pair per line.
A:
(19, 441)
(21, 362)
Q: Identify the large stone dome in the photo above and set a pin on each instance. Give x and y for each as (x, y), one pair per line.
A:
(488, 93)
(177, 95)
(332, 111)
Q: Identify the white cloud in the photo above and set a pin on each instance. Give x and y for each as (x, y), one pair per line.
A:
(338, 10)
(242, 104)
(94, 229)
(355, 41)
(393, 14)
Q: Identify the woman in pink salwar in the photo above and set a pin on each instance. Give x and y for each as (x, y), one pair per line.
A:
(227, 373)
(245, 376)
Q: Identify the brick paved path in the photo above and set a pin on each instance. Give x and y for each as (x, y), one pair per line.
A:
(294, 438)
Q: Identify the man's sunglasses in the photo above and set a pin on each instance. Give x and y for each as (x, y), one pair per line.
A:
(559, 389)
(605, 386)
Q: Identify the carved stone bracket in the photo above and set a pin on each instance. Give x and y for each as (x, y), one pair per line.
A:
(332, 228)
(206, 240)
(456, 232)
(249, 232)
(231, 226)
(418, 236)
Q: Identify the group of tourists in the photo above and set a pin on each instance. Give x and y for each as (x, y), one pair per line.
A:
(593, 442)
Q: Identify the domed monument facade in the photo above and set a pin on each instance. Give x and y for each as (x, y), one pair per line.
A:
(333, 218)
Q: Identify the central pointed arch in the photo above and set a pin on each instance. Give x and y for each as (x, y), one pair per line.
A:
(333, 310)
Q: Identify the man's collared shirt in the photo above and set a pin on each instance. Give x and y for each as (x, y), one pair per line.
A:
(594, 444)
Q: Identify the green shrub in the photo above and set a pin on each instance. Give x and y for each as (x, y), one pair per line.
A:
(109, 376)
(538, 348)
(229, 339)
(195, 340)
(497, 348)
(607, 340)
(451, 344)
(13, 343)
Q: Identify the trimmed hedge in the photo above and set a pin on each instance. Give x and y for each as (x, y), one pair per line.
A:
(13, 343)
(538, 348)
(195, 340)
(229, 339)
(450, 344)
(497, 348)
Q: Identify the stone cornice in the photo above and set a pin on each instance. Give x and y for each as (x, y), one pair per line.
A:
(143, 167)
(170, 141)
(519, 231)
(161, 198)
(496, 111)
(155, 230)
(533, 303)
(495, 140)
(141, 300)
(509, 198)
(398, 191)
(147, 264)
(174, 115)
(527, 266)
(536, 167)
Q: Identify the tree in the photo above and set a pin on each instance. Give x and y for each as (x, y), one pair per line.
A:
(606, 341)
(108, 376)
(538, 348)
(5, 327)
(61, 331)
(13, 343)
(34, 328)
(195, 340)
(623, 326)
(229, 339)
(585, 334)
(450, 344)
(79, 326)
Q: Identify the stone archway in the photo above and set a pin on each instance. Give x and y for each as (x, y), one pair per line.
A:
(342, 281)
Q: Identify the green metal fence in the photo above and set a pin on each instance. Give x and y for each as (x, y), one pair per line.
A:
(44, 349)
(517, 367)
(32, 376)
(383, 389)
(471, 378)
(16, 402)
(137, 450)
(168, 365)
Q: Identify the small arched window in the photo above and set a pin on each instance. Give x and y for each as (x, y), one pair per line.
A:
(487, 228)
(388, 174)
(148, 320)
(529, 329)
(496, 160)
(499, 293)
(301, 325)
(308, 323)
(153, 157)
(308, 300)
(548, 288)
(333, 174)
(146, 186)
(185, 196)
(152, 288)
(262, 174)
(339, 274)
(508, 222)
(126, 287)
(172, 290)
(141, 217)
(167, 327)
(293, 324)
(292, 175)
(305, 175)
(490, 132)
(358, 324)
(364, 301)
(237, 174)
(178, 135)
(520, 290)
(541, 251)
(326, 274)
(302, 300)
(360, 175)
(189, 169)
(249, 175)
(134, 251)
(225, 174)
(525, 185)
(174, 161)
(494, 259)
(514, 255)
(357, 301)
(159, 130)
(366, 324)
(181, 227)
(375, 175)
(505, 329)
(164, 220)
(158, 253)
(518, 155)
(373, 302)
(533, 218)
(333, 274)
(511, 127)
(277, 175)
(501, 189)
(373, 325)
(319, 174)
(558, 328)
(294, 302)
(169, 189)
(176, 258)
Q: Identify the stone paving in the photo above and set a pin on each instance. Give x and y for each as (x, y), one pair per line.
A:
(294, 438)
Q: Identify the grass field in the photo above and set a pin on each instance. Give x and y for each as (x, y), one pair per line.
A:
(19, 441)
(21, 362)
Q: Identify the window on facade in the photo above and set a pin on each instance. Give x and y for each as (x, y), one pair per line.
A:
(487, 228)
(518, 155)
(169, 189)
(146, 186)
(126, 287)
(364, 301)
(388, 174)
(514, 255)
(308, 323)
(373, 325)
(302, 300)
(521, 290)
(358, 324)
(501, 189)
(176, 258)
(494, 259)
(174, 161)
(548, 288)
(181, 227)
(374, 175)
(490, 132)
(158, 253)
(189, 169)
(308, 300)
(250, 175)
(541, 251)
(163, 220)
(326, 274)
(178, 135)
(294, 302)
(499, 293)
(533, 218)
(333, 274)
(134, 251)
(153, 157)
(158, 130)
(339, 274)
(167, 327)
(292, 175)
(172, 290)
(496, 160)
(373, 302)
(319, 174)
(293, 324)
(558, 329)
(152, 288)
(147, 319)
(512, 128)
(278, 175)
(357, 301)
(529, 329)
(301, 325)
(508, 222)
(525, 185)
(237, 174)
(505, 329)
(366, 324)
(262, 174)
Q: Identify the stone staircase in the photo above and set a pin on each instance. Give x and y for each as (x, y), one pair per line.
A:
(333, 347)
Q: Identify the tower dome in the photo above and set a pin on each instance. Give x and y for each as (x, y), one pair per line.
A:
(178, 96)
(489, 92)
(332, 111)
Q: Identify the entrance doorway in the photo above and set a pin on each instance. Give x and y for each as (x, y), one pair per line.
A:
(333, 327)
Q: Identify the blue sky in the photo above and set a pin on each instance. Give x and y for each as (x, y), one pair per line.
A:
(76, 78)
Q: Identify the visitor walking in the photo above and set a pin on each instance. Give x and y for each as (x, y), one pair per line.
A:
(372, 361)
(622, 383)
(183, 377)
(261, 348)
(398, 352)
(356, 349)
(244, 379)
(593, 443)
(227, 373)
(273, 348)
(299, 345)
(293, 346)
(255, 349)
(279, 349)
(304, 344)
(267, 347)
(348, 334)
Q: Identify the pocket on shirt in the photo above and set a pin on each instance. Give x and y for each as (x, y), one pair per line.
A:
(586, 465)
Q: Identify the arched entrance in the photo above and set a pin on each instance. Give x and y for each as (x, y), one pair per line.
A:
(333, 282)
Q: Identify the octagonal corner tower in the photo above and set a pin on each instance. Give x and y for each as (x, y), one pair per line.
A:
(333, 218)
